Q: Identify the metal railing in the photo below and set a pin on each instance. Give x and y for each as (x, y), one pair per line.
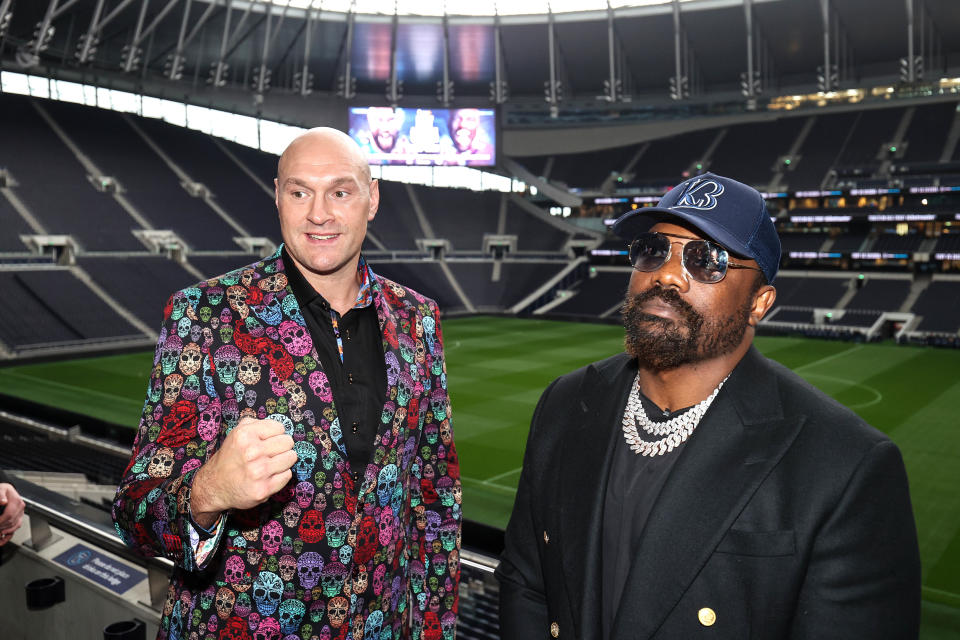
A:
(49, 510)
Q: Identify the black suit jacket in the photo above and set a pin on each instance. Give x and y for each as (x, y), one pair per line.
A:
(785, 515)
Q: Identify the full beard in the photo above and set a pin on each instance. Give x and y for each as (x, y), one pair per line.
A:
(386, 141)
(661, 344)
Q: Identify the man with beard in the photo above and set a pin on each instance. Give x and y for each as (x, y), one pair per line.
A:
(691, 487)
(468, 136)
(385, 137)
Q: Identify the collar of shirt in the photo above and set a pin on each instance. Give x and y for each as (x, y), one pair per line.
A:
(306, 294)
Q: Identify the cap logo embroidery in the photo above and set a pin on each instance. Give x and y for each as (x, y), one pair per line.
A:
(701, 194)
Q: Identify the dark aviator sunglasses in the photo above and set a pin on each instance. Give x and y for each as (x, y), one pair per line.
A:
(703, 260)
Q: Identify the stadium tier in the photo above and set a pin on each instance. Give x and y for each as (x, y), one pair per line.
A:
(924, 137)
(246, 197)
(399, 228)
(460, 216)
(849, 241)
(261, 165)
(872, 130)
(596, 295)
(750, 151)
(593, 168)
(516, 281)
(61, 308)
(799, 152)
(52, 184)
(123, 278)
(811, 292)
(27, 450)
(533, 234)
(665, 160)
(122, 178)
(424, 277)
(153, 183)
(857, 318)
(210, 266)
(14, 226)
(939, 307)
(798, 316)
(802, 241)
(878, 294)
(948, 243)
(820, 150)
(893, 242)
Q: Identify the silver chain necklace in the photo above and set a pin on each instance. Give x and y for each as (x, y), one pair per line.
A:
(673, 432)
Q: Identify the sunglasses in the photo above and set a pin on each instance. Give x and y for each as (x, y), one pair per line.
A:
(702, 260)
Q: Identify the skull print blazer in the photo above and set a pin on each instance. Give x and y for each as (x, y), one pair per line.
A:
(325, 557)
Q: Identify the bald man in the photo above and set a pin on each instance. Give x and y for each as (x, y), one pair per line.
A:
(295, 457)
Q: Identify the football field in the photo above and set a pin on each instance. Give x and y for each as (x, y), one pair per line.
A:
(497, 368)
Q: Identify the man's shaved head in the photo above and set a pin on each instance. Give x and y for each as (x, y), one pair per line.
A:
(332, 141)
(325, 198)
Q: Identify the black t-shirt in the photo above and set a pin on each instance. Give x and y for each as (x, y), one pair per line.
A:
(633, 484)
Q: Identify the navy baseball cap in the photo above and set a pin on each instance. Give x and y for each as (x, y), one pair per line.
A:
(724, 210)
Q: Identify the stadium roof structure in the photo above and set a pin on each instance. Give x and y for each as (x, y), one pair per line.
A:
(534, 57)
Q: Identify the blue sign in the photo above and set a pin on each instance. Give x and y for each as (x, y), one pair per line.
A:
(102, 569)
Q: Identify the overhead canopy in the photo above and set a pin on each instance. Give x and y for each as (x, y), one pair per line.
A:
(703, 44)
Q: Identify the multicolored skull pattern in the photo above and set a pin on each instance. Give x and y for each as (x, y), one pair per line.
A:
(326, 556)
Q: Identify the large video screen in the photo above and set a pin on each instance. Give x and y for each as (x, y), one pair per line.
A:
(432, 137)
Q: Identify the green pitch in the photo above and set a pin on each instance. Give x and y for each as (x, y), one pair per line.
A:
(499, 366)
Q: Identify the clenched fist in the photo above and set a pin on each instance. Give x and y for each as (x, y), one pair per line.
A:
(252, 464)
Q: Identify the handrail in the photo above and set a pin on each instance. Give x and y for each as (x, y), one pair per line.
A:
(91, 525)
(88, 523)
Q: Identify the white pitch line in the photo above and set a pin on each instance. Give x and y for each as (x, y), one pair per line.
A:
(491, 479)
(74, 388)
(878, 397)
(487, 483)
(829, 358)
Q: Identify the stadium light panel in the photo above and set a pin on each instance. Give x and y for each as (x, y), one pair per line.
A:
(463, 7)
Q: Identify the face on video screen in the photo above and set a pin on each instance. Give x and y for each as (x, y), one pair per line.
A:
(425, 137)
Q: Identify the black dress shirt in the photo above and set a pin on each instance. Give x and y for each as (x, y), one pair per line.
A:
(359, 381)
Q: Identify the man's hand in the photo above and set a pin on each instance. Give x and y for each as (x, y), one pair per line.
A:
(12, 516)
(252, 464)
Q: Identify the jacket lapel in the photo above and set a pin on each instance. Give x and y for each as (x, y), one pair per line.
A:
(388, 321)
(292, 310)
(389, 316)
(586, 462)
(741, 439)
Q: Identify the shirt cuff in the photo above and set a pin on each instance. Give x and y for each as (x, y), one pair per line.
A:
(205, 541)
(206, 533)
